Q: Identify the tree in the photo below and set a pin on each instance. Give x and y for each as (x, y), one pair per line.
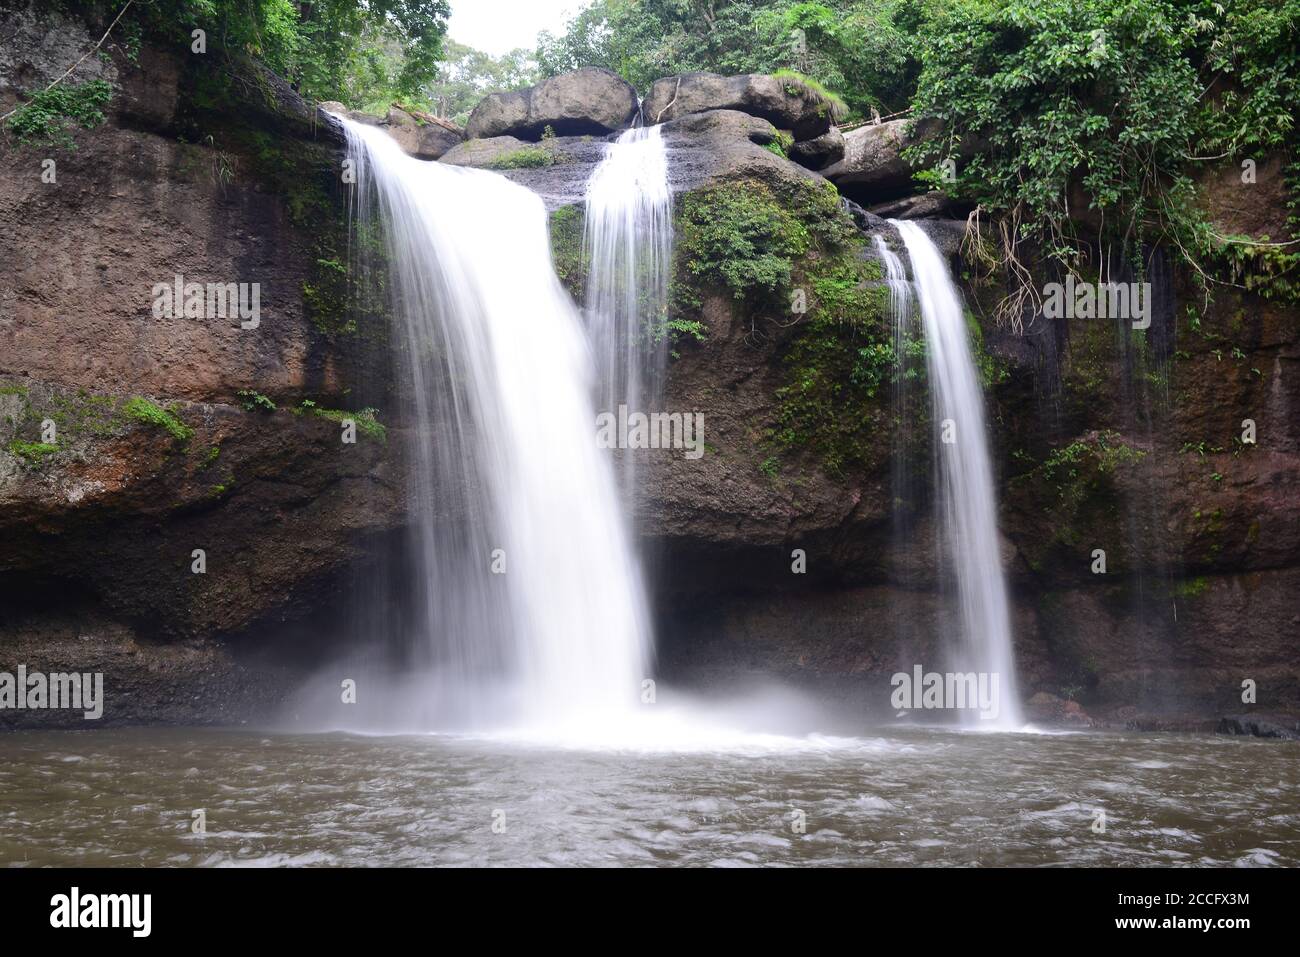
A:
(861, 50)
(467, 75)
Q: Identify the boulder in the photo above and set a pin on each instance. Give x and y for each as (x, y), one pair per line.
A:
(421, 135)
(706, 148)
(820, 151)
(588, 101)
(725, 145)
(873, 168)
(779, 101)
(932, 205)
(872, 163)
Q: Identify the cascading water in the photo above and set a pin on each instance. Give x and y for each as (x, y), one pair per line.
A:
(629, 236)
(529, 604)
(900, 308)
(968, 515)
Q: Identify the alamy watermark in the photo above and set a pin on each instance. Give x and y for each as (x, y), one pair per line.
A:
(1100, 300)
(214, 300)
(652, 430)
(36, 690)
(130, 911)
(949, 690)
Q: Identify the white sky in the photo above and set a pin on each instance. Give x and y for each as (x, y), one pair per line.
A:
(498, 26)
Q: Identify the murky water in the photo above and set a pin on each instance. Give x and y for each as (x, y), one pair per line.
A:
(906, 797)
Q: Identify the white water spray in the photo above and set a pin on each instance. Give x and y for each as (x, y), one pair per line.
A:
(530, 606)
(968, 515)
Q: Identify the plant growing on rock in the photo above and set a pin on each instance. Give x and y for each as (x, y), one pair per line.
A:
(44, 120)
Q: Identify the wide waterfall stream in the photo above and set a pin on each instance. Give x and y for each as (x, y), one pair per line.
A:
(531, 609)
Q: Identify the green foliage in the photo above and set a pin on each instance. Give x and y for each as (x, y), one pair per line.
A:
(789, 249)
(367, 422)
(567, 227)
(466, 75)
(327, 298)
(254, 401)
(1094, 94)
(781, 145)
(1192, 587)
(357, 51)
(862, 49)
(813, 91)
(1102, 111)
(741, 237)
(45, 119)
(745, 237)
(142, 410)
(32, 452)
(837, 364)
(528, 157)
(1101, 454)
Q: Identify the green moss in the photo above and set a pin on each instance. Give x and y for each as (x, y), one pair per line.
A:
(830, 402)
(990, 369)
(528, 157)
(367, 424)
(32, 452)
(210, 457)
(1074, 486)
(781, 145)
(813, 91)
(8, 389)
(326, 298)
(789, 250)
(142, 410)
(1191, 588)
(740, 237)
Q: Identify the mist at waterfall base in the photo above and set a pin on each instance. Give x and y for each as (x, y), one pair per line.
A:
(524, 611)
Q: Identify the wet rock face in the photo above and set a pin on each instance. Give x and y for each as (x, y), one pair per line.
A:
(128, 435)
(768, 97)
(1260, 726)
(706, 147)
(590, 101)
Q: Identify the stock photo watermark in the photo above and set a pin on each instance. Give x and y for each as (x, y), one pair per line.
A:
(179, 299)
(923, 690)
(35, 691)
(651, 430)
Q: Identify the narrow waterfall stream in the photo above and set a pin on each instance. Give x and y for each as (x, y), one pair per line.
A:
(629, 234)
(530, 605)
(967, 509)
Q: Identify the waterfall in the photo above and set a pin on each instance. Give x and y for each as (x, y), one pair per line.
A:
(528, 606)
(900, 309)
(629, 235)
(967, 513)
